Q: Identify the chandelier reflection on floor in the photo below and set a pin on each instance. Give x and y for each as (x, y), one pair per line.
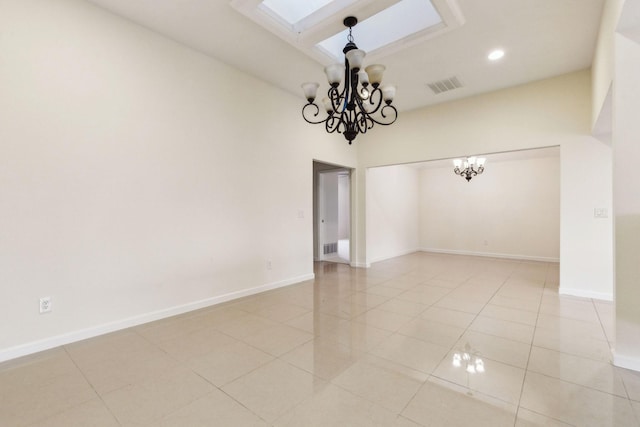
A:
(360, 103)
(467, 359)
(471, 167)
(470, 361)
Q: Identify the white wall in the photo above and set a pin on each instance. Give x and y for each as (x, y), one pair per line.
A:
(586, 267)
(512, 210)
(552, 112)
(392, 212)
(130, 188)
(626, 146)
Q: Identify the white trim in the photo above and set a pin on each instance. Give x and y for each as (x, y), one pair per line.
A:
(626, 362)
(360, 264)
(492, 255)
(70, 337)
(606, 296)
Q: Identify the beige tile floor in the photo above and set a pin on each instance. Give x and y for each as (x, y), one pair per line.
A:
(354, 347)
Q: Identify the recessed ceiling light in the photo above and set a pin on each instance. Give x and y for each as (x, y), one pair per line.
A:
(496, 54)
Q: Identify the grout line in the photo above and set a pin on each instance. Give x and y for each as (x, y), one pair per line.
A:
(604, 331)
(526, 368)
(98, 395)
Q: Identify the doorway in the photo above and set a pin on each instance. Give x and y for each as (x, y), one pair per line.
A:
(331, 213)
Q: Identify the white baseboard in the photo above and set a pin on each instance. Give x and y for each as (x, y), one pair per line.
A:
(491, 255)
(401, 253)
(626, 362)
(606, 296)
(360, 264)
(70, 337)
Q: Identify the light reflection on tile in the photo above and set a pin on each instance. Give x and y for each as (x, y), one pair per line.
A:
(352, 347)
(498, 380)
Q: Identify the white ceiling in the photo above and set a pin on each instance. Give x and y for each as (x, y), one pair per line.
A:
(541, 38)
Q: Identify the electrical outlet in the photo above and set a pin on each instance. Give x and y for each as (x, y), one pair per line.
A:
(45, 305)
(600, 213)
(268, 265)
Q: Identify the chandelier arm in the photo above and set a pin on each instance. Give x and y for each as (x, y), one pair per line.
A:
(349, 124)
(363, 121)
(375, 100)
(337, 99)
(364, 118)
(384, 115)
(305, 113)
(348, 120)
(333, 124)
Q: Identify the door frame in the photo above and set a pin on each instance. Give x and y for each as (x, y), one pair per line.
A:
(318, 243)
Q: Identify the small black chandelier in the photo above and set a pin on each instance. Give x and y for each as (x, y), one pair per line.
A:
(471, 167)
(355, 107)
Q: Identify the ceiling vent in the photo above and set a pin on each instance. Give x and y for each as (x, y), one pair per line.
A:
(445, 85)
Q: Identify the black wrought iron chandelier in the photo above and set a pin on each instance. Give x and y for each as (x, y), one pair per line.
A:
(360, 103)
(471, 167)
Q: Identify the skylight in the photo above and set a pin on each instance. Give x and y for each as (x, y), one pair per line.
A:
(384, 27)
(294, 11)
(397, 22)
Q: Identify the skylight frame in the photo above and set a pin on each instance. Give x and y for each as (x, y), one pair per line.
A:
(328, 21)
(412, 17)
(293, 11)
